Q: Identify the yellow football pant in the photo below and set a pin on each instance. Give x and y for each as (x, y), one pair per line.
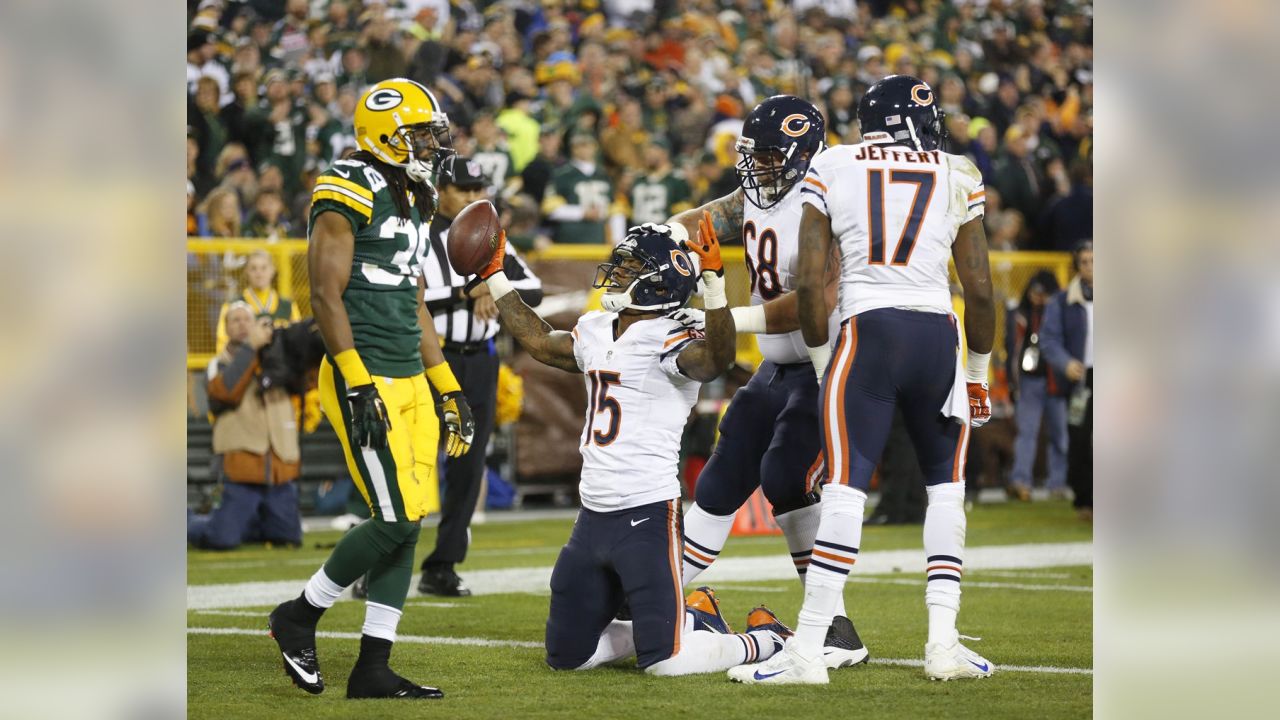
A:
(399, 482)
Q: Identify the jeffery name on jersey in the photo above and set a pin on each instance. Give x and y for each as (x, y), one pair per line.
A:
(771, 239)
(895, 213)
(637, 405)
(381, 295)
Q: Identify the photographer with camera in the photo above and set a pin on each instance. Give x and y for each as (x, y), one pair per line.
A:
(255, 431)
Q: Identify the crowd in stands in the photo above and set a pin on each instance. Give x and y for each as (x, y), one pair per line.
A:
(590, 115)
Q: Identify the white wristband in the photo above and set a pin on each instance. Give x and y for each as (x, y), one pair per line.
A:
(820, 357)
(499, 285)
(975, 369)
(749, 318)
(713, 297)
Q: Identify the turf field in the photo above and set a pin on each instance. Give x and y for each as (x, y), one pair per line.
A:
(1027, 594)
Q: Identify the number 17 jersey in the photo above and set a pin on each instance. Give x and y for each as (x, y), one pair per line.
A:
(895, 213)
(381, 298)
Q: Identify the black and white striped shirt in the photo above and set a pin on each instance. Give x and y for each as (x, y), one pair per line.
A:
(446, 298)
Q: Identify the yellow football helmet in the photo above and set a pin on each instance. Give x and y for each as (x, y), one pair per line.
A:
(397, 120)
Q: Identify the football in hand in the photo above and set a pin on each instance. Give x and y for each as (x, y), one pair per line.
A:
(473, 237)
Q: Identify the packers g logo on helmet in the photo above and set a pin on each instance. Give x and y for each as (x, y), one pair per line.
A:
(383, 99)
(399, 118)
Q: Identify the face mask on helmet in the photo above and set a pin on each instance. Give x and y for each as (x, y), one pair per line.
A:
(425, 144)
(766, 176)
(619, 277)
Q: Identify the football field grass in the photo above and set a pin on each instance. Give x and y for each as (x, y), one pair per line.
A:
(1035, 621)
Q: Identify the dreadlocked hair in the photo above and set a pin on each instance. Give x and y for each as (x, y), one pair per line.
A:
(400, 185)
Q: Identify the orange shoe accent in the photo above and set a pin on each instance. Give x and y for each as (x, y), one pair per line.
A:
(761, 616)
(755, 517)
(704, 599)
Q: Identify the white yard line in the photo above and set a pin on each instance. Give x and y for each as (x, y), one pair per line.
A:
(1025, 574)
(420, 639)
(485, 642)
(972, 584)
(742, 569)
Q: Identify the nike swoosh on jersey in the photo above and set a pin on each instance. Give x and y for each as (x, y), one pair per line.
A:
(758, 676)
(306, 676)
(637, 522)
(343, 173)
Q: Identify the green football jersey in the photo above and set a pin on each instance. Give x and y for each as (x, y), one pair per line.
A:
(382, 294)
(656, 198)
(574, 187)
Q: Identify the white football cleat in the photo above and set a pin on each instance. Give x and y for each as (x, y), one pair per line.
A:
(784, 668)
(954, 661)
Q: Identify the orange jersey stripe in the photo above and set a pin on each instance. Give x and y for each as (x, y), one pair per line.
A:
(812, 181)
(675, 339)
(980, 193)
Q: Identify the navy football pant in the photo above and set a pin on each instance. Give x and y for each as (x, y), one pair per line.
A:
(633, 554)
(886, 358)
(769, 438)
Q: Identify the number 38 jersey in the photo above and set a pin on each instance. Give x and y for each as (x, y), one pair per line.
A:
(382, 294)
(638, 402)
(895, 213)
(771, 239)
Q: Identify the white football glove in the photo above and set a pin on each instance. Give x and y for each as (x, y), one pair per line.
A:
(692, 318)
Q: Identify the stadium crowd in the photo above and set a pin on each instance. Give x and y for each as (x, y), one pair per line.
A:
(589, 116)
(645, 97)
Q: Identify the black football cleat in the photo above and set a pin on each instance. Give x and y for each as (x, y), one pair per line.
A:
(297, 644)
(379, 681)
(843, 647)
(442, 581)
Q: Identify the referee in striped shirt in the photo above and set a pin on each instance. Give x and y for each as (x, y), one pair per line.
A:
(467, 323)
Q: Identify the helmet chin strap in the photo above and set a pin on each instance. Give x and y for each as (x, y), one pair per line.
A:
(911, 128)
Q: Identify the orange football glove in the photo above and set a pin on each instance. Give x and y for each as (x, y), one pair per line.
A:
(707, 246)
(979, 404)
(499, 256)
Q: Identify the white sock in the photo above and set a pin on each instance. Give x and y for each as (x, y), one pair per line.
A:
(616, 643)
(944, 528)
(835, 550)
(702, 651)
(380, 621)
(704, 537)
(321, 591)
(800, 527)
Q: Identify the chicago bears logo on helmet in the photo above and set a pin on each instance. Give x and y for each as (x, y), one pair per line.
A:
(922, 94)
(795, 125)
(681, 262)
(383, 99)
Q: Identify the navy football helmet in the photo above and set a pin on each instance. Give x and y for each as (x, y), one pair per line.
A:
(902, 108)
(779, 139)
(647, 271)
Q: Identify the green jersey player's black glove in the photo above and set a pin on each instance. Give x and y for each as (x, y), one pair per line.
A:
(369, 419)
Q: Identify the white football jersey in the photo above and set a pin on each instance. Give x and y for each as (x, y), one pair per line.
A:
(895, 213)
(637, 404)
(771, 239)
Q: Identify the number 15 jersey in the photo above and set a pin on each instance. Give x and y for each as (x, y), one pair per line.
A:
(895, 213)
(638, 402)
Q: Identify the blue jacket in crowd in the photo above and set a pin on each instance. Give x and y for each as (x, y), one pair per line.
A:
(1062, 336)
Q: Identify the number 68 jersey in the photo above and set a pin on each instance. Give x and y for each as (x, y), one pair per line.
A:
(771, 239)
(638, 402)
(895, 213)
